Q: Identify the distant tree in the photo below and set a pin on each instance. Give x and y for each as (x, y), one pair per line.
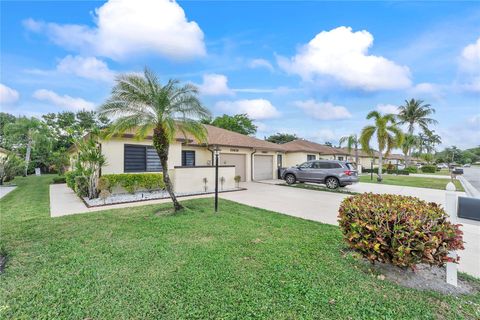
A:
(5, 118)
(328, 143)
(142, 103)
(352, 142)
(388, 135)
(415, 112)
(240, 123)
(281, 138)
(10, 166)
(22, 135)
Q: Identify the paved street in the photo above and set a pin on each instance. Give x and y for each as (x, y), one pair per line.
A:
(472, 174)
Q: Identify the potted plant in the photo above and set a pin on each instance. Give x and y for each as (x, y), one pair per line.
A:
(237, 181)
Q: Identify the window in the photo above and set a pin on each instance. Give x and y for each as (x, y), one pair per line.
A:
(138, 158)
(188, 158)
(306, 165)
(340, 158)
(311, 157)
(279, 160)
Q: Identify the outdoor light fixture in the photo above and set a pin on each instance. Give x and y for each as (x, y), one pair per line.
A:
(216, 151)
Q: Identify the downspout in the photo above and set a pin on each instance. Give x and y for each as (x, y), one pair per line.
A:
(213, 155)
(251, 163)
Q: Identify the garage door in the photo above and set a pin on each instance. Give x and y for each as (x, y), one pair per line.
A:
(237, 160)
(262, 167)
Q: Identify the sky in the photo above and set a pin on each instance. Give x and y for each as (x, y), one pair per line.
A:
(311, 68)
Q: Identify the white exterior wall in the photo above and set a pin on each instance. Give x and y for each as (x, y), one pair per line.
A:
(292, 159)
(190, 179)
(113, 150)
(203, 156)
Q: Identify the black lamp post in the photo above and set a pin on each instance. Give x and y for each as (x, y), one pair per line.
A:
(217, 153)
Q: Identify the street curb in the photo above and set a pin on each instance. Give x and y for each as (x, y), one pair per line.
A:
(469, 189)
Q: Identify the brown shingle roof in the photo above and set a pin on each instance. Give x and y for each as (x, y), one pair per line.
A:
(223, 137)
(309, 146)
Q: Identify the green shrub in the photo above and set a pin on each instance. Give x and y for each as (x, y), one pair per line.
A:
(428, 169)
(81, 186)
(412, 169)
(400, 230)
(134, 181)
(60, 179)
(104, 184)
(401, 172)
(70, 178)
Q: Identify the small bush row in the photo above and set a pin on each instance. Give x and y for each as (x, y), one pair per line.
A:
(429, 169)
(59, 179)
(402, 172)
(412, 169)
(131, 181)
(400, 230)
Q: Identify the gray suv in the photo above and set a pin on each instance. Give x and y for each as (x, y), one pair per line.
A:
(332, 173)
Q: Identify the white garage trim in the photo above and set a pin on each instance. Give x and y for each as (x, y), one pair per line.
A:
(263, 167)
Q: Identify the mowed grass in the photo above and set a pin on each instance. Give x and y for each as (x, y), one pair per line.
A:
(143, 263)
(420, 182)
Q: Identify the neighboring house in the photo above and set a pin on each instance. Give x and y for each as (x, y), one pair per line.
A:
(299, 151)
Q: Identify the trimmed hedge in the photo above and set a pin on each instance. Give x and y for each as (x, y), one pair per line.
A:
(412, 169)
(429, 169)
(400, 230)
(60, 179)
(70, 178)
(132, 181)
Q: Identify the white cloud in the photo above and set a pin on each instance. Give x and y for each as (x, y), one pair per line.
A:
(257, 109)
(426, 88)
(463, 134)
(343, 55)
(8, 95)
(261, 127)
(470, 58)
(214, 85)
(325, 135)
(260, 63)
(64, 101)
(86, 67)
(323, 110)
(470, 67)
(125, 27)
(387, 108)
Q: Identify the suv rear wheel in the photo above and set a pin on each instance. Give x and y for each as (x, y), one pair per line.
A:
(332, 183)
(290, 178)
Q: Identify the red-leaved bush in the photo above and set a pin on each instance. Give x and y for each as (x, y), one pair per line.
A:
(400, 230)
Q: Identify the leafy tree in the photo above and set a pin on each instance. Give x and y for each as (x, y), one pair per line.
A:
(240, 123)
(23, 134)
(5, 118)
(10, 166)
(388, 135)
(281, 138)
(91, 159)
(415, 112)
(142, 103)
(60, 160)
(328, 143)
(352, 142)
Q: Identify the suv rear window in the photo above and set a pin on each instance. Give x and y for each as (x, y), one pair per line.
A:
(351, 166)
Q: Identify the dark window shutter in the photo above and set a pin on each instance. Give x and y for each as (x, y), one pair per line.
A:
(188, 158)
(134, 158)
(153, 161)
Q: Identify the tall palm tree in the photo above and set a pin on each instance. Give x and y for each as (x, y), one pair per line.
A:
(143, 104)
(432, 140)
(352, 143)
(415, 112)
(389, 136)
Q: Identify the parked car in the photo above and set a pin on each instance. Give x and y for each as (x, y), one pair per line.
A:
(332, 173)
(467, 165)
(442, 166)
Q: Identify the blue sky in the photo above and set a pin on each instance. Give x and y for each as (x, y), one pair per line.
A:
(311, 68)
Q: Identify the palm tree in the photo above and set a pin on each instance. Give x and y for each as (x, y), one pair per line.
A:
(352, 142)
(142, 103)
(409, 142)
(388, 135)
(432, 140)
(415, 112)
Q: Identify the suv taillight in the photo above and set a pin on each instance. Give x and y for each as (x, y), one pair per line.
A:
(348, 172)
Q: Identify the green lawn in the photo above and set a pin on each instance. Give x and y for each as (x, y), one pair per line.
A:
(241, 263)
(421, 182)
(443, 172)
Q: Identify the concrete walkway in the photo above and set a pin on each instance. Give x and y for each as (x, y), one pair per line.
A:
(4, 190)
